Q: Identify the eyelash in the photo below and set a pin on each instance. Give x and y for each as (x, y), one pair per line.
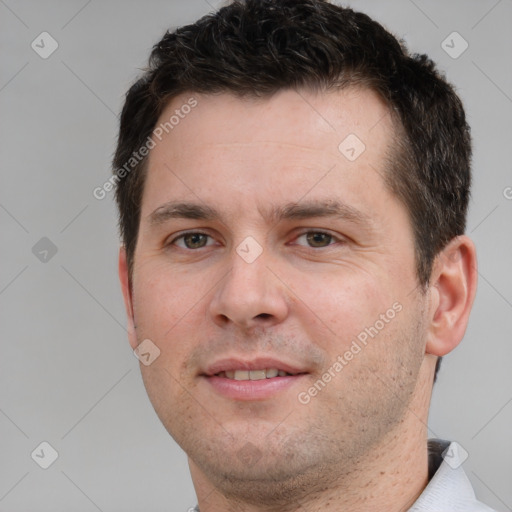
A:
(334, 238)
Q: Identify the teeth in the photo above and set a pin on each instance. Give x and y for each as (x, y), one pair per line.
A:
(257, 374)
(268, 373)
(241, 375)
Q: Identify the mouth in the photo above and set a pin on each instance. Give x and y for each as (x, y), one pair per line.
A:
(258, 379)
(267, 373)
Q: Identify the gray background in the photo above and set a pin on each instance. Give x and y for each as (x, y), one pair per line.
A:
(67, 374)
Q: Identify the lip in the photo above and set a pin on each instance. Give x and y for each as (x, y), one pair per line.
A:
(252, 390)
(260, 363)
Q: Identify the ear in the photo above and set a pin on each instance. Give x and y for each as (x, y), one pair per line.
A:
(127, 294)
(452, 292)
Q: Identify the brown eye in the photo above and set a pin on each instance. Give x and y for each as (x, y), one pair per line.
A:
(194, 240)
(318, 239)
(191, 241)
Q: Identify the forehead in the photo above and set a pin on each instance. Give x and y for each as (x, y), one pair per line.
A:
(287, 141)
(311, 119)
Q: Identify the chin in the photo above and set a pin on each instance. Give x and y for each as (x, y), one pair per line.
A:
(266, 482)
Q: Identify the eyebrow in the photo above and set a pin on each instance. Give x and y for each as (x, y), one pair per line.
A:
(291, 211)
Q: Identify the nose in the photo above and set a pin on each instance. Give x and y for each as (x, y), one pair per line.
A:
(250, 295)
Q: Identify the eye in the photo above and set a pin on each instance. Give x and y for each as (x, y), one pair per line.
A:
(192, 240)
(318, 239)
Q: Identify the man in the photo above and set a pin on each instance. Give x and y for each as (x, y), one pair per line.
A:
(293, 188)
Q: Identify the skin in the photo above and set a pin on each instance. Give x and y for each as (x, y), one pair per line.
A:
(360, 443)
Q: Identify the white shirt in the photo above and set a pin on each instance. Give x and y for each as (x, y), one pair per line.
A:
(449, 489)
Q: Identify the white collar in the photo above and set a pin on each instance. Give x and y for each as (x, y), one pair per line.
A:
(449, 490)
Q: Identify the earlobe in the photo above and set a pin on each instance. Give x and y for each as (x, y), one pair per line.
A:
(127, 295)
(452, 291)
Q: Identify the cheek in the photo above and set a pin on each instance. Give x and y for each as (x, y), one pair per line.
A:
(342, 307)
(165, 307)
(162, 296)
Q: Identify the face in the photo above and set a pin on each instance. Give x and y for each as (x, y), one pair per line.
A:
(269, 243)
